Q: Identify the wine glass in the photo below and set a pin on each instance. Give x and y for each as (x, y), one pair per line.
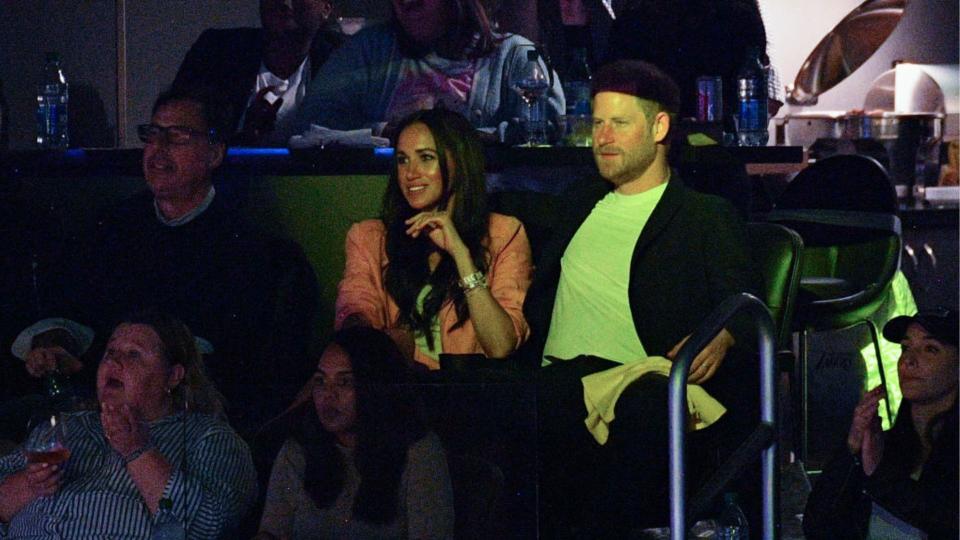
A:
(47, 442)
(532, 83)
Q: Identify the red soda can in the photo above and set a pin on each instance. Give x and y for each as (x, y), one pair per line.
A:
(709, 98)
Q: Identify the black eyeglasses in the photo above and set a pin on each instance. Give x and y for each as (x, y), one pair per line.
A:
(152, 133)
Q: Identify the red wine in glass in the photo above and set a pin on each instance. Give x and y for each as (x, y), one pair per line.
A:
(53, 456)
(47, 442)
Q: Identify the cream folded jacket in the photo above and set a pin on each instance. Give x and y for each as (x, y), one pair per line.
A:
(602, 390)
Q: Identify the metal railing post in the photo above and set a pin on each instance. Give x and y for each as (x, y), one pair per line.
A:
(678, 408)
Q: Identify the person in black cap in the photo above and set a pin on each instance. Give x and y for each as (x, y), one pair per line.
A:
(903, 481)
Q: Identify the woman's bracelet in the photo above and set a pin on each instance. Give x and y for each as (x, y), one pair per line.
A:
(127, 459)
(473, 281)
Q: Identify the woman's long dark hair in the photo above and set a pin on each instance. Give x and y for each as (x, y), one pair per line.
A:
(461, 165)
(388, 421)
(472, 20)
(904, 441)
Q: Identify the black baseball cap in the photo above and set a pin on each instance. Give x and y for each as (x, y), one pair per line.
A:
(941, 324)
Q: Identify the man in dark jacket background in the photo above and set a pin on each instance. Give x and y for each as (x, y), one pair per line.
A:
(261, 74)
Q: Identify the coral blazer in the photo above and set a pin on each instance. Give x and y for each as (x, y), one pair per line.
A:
(362, 290)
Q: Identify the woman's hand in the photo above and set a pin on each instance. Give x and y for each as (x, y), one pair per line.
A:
(440, 229)
(866, 435)
(44, 479)
(127, 433)
(22, 488)
(124, 429)
(44, 360)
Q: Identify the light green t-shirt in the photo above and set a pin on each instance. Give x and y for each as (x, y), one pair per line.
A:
(419, 338)
(591, 314)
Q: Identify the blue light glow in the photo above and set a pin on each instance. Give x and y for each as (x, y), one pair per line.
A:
(258, 152)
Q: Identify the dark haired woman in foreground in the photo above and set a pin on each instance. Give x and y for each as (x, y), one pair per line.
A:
(902, 483)
(439, 273)
(362, 465)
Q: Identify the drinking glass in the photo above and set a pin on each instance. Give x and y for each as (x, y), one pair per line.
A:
(47, 443)
(532, 84)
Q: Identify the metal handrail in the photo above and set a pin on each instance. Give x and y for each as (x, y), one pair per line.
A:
(678, 407)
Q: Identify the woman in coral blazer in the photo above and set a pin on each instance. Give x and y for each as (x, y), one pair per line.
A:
(438, 273)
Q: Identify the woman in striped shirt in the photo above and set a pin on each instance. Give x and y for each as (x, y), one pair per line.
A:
(158, 435)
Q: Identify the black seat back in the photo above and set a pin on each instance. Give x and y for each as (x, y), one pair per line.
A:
(775, 251)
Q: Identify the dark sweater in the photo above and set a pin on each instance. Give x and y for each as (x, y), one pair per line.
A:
(252, 295)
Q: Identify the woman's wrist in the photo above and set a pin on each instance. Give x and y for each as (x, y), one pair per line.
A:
(137, 453)
(473, 282)
(463, 260)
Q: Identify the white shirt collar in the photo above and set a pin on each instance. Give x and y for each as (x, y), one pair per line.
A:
(189, 216)
(291, 89)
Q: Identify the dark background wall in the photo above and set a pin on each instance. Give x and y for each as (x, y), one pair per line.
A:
(158, 34)
(84, 34)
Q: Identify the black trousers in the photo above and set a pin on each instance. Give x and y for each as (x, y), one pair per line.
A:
(586, 488)
(482, 409)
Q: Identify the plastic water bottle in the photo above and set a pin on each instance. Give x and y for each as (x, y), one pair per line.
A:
(752, 101)
(52, 99)
(576, 91)
(732, 524)
(576, 83)
(166, 526)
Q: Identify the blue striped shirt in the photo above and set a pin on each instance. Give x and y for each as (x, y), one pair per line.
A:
(211, 488)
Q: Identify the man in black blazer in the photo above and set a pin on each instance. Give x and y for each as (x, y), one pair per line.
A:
(635, 264)
(249, 69)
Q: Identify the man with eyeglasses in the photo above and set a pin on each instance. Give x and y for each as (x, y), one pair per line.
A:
(182, 149)
(181, 247)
